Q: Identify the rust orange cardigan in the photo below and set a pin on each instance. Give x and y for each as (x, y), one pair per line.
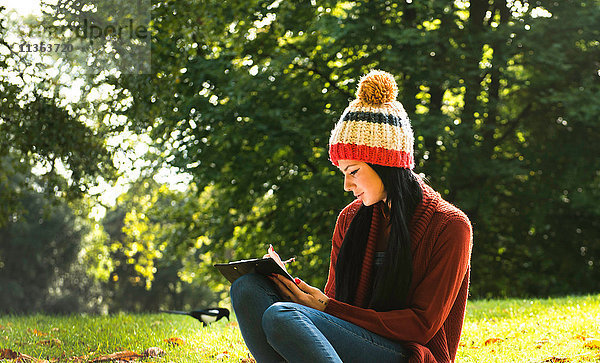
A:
(441, 238)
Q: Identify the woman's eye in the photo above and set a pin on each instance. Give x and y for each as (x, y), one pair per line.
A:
(354, 172)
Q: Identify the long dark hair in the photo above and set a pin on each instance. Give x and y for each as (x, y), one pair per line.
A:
(392, 281)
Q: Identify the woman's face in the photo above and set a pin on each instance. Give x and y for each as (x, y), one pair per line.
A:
(363, 181)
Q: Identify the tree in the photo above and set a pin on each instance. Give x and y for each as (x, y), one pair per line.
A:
(154, 251)
(39, 128)
(242, 96)
(39, 266)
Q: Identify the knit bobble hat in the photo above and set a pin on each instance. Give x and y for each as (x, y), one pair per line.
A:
(374, 128)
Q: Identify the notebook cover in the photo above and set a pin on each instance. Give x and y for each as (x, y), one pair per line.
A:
(264, 266)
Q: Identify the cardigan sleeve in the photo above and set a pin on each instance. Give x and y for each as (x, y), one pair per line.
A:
(433, 296)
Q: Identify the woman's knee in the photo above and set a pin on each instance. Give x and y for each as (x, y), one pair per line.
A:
(271, 320)
(244, 287)
(277, 316)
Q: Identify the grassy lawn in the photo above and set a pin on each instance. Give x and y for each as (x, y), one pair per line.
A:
(549, 330)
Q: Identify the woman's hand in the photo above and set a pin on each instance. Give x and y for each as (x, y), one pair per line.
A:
(272, 254)
(300, 292)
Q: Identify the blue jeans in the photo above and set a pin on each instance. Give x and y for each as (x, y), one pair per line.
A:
(279, 331)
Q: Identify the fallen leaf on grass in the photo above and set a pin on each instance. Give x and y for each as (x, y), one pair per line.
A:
(119, 356)
(128, 356)
(50, 342)
(175, 341)
(8, 354)
(153, 352)
(594, 355)
(79, 358)
(222, 355)
(592, 343)
(492, 341)
(37, 332)
(19, 357)
(539, 343)
(556, 360)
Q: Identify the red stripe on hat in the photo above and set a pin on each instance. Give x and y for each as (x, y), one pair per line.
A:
(370, 154)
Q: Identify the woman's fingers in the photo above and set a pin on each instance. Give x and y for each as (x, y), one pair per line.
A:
(290, 285)
(304, 286)
(289, 288)
(300, 292)
(283, 289)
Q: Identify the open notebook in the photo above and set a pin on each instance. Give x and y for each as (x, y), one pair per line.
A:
(264, 266)
(270, 264)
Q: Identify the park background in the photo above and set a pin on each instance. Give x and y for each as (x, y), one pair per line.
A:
(123, 182)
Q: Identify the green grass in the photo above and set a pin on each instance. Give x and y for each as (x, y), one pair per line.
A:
(515, 331)
(531, 330)
(94, 336)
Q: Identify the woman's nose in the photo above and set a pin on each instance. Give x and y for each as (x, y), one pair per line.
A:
(347, 185)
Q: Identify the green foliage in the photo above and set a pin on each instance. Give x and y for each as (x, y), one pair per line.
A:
(154, 252)
(40, 128)
(243, 95)
(39, 266)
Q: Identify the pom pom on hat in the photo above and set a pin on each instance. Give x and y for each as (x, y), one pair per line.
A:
(377, 87)
(374, 128)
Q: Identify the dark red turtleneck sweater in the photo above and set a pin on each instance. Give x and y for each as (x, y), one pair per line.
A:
(441, 238)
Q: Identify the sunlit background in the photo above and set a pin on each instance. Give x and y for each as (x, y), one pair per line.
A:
(129, 163)
(126, 187)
